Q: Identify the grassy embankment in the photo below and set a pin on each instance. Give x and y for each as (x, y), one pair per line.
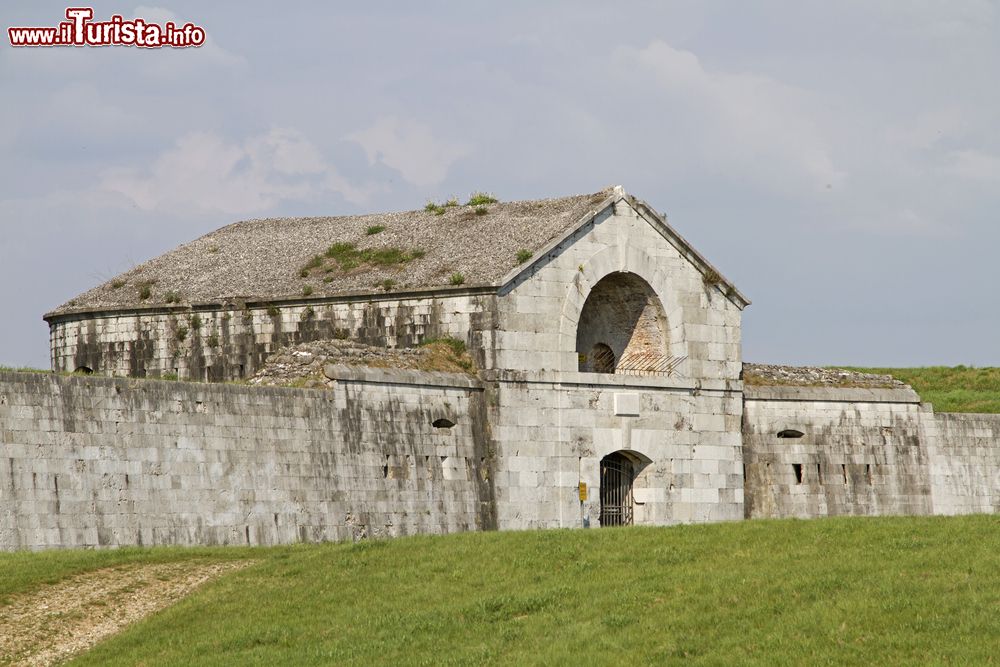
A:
(845, 591)
(958, 389)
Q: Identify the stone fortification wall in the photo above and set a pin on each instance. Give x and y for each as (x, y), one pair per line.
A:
(965, 464)
(871, 451)
(95, 462)
(99, 462)
(552, 429)
(827, 451)
(232, 341)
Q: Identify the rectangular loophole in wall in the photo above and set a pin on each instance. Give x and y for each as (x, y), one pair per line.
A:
(843, 471)
(868, 473)
(797, 469)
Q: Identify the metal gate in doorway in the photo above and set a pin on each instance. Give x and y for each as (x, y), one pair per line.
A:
(617, 474)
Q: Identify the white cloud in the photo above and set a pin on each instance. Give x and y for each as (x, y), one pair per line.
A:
(973, 165)
(928, 128)
(937, 20)
(203, 171)
(749, 125)
(409, 147)
(905, 222)
(209, 51)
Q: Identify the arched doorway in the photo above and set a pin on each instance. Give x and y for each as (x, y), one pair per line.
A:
(621, 324)
(617, 475)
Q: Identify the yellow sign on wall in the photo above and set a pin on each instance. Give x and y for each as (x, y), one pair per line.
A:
(583, 491)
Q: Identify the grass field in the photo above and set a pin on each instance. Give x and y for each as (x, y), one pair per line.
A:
(958, 389)
(844, 591)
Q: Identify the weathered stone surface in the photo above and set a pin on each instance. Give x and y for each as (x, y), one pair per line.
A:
(965, 464)
(97, 462)
(898, 394)
(829, 456)
(233, 341)
(810, 376)
(303, 364)
(815, 451)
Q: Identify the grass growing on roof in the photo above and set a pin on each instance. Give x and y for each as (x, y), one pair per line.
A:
(481, 198)
(23, 369)
(456, 345)
(950, 389)
(902, 590)
(347, 256)
(441, 209)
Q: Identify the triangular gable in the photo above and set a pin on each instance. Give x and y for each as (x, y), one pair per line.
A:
(659, 223)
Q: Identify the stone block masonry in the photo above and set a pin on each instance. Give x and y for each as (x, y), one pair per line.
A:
(825, 451)
(965, 464)
(231, 341)
(554, 429)
(100, 462)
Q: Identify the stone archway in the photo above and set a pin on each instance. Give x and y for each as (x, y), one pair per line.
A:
(617, 503)
(622, 319)
(618, 473)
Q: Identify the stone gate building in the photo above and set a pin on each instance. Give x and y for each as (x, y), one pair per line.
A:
(609, 390)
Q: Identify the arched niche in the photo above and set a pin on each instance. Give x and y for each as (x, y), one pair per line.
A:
(621, 318)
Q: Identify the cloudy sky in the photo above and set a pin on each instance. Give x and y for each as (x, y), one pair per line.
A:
(840, 161)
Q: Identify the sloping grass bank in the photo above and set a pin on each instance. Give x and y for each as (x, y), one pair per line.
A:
(958, 389)
(845, 591)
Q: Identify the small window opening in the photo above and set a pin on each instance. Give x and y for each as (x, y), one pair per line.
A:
(819, 472)
(385, 468)
(868, 473)
(843, 471)
(797, 468)
(603, 358)
(442, 422)
(790, 433)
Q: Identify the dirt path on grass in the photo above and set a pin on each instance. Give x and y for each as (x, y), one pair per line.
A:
(52, 624)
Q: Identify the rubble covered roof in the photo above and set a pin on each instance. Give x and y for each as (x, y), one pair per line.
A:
(809, 376)
(264, 259)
